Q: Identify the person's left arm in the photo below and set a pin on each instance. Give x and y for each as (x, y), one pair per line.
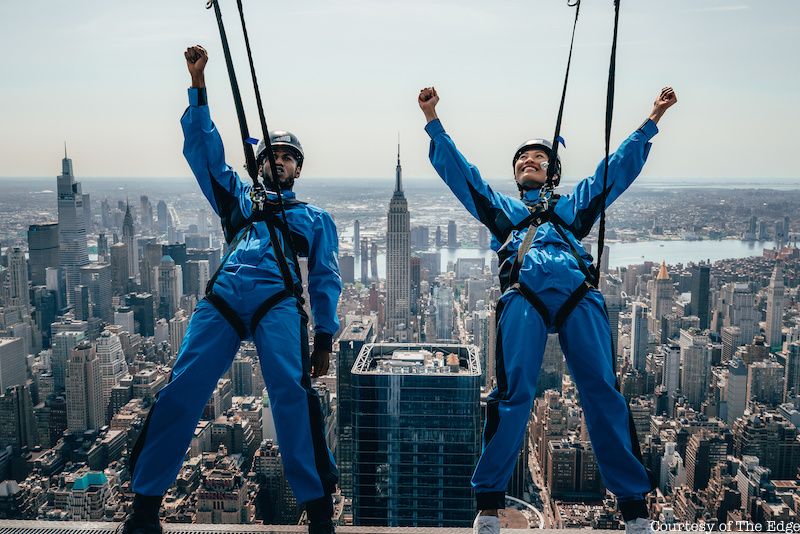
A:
(324, 289)
(580, 209)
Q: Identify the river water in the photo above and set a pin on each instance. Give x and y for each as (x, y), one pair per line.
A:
(623, 254)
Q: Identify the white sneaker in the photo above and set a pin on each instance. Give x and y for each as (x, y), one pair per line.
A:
(640, 525)
(486, 524)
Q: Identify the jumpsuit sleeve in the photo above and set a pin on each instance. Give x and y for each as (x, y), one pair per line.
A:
(324, 281)
(203, 150)
(496, 211)
(581, 208)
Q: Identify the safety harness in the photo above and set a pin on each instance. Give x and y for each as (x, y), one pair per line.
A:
(543, 210)
(540, 213)
(263, 207)
(291, 289)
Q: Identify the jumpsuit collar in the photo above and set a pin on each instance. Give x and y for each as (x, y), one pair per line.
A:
(531, 196)
(285, 193)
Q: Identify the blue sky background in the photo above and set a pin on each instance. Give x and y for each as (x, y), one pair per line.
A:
(109, 78)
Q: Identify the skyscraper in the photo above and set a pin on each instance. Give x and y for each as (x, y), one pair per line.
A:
(16, 291)
(373, 260)
(146, 213)
(736, 390)
(163, 215)
(696, 365)
(364, 261)
(17, 425)
(112, 367)
(357, 237)
(84, 389)
(791, 384)
(143, 313)
(398, 281)
(772, 439)
(358, 332)
(765, 382)
(738, 305)
(444, 302)
(170, 287)
(347, 268)
(775, 300)
(672, 372)
(129, 238)
(195, 275)
(700, 287)
(662, 301)
(703, 452)
(151, 257)
(65, 336)
(97, 278)
(452, 234)
(416, 425)
(73, 251)
(639, 336)
(13, 368)
(42, 250)
(119, 268)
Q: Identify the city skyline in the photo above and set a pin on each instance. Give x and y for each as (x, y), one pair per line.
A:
(708, 358)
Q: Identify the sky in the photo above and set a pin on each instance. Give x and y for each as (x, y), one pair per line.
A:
(109, 78)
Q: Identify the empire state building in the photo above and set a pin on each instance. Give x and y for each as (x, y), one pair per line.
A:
(398, 282)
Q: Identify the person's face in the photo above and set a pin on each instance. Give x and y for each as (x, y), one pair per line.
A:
(528, 170)
(286, 164)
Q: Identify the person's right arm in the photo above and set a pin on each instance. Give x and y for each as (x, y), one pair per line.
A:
(496, 211)
(202, 146)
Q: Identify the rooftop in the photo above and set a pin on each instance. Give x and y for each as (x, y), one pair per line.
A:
(417, 359)
(78, 527)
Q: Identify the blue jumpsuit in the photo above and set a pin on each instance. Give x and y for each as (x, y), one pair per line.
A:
(552, 272)
(248, 278)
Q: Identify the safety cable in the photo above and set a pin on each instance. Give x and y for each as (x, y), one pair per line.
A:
(249, 155)
(258, 195)
(601, 234)
(268, 141)
(552, 166)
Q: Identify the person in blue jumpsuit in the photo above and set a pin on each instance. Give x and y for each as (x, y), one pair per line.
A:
(250, 277)
(537, 283)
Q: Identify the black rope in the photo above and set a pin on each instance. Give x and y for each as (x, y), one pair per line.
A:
(249, 155)
(601, 235)
(268, 142)
(553, 163)
(257, 194)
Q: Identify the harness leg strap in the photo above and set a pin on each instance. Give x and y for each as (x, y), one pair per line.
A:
(572, 301)
(266, 306)
(228, 313)
(534, 301)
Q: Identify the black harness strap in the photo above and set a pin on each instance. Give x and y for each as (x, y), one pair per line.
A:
(601, 233)
(534, 301)
(266, 306)
(258, 195)
(268, 146)
(588, 273)
(249, 155)
(228, 313)
(569, 305)
(539, 215)
(288, 281)
(553, 162)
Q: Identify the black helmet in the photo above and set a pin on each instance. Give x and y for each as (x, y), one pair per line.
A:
(541, 144)
(281, 139)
